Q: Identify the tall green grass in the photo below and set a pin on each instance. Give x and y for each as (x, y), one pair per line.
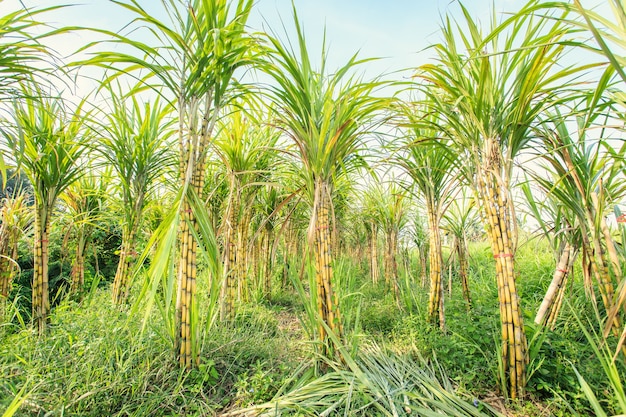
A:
(97, 361)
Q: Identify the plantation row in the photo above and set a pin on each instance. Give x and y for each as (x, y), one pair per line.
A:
(215, 195)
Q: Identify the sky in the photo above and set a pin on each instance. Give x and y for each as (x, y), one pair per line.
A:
(398, 32)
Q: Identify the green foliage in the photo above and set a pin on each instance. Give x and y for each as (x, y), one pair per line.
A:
(95, 362)
(21, 50)
(259, 385)
(380, 316)
(375, 382)
(100, 360)
(96, 358)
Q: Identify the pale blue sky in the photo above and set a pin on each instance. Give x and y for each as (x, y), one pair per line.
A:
(392, 28)
(396, 30)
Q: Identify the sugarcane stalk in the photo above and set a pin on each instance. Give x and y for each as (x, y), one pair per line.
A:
(494, 211)
(229, 288)
(388, 268)
(594, 249)
(435, 299)
(125, 265)
(9, 236)
(242, 257)
(193, 149)
(556, 308)
(267, 262)
(41, 302)
(423, 255)
(77, 273)
(558, 279)
(327, 304)
(463, 269)
(390, 262)
(373, 239)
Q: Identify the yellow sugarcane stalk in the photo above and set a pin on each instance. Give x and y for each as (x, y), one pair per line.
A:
(554, 311)
(77, 274)
(558, 280)
(374, 271)
(463, 270)
(41, 303)
(494, 212)
(328, 306)
(229, 288)
(193, 148)
(187, 276)
(78, 269)
(435, 299)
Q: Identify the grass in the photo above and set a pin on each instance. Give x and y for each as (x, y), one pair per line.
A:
(96, 360)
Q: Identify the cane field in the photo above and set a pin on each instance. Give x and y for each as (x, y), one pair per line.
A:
(203, 216)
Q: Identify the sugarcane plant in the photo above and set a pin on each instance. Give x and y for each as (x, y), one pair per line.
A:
(371, 230)
(490, 89)
(243, 147)
(135, 143)
(46, 139)
(559, 224)
(590, 182)
(15, 222)
(610, 38)
(22, 55)
(191, 64)
(388, 203)
(425, 155)
(325, 114)
(86, 203)
(461, 221)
